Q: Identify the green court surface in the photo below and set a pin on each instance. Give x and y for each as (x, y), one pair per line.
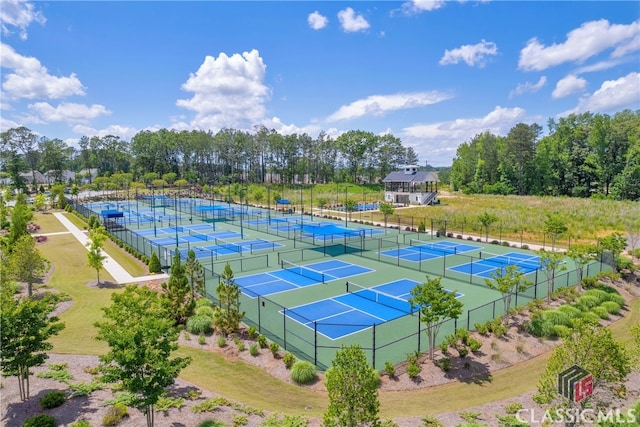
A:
(293, 271)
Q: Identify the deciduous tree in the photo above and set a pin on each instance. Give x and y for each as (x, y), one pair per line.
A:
(507, 281)
(142, 337)
(582, 254)
(95, 256)
(486, 219)
(26, 265)
(435, 304)
(387, 210)
(551, 262)
(26, 325)
(352, 385)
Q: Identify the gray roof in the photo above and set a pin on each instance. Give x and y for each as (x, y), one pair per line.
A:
(401, 176)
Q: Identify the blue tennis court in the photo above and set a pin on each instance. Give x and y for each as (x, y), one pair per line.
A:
(490, 263)
(293, 276)
(422, 251)
(358, 309)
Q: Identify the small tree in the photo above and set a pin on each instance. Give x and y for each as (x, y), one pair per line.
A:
(40, 202)
(582, 254)
(20, 217)
(350, 206)
(95, 257)
(614, 243)
(228, 316)
(555, 226)
(177, 292)
(387, 210)
(595, 350)
(435, 304)
(26, 264)
(507, 281)
(154, 263)
(486, 219)
(141, 337)
(26, 325)
(195, 274)
(352, 385)
(550, 262)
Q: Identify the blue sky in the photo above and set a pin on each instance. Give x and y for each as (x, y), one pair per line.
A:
(433, 73)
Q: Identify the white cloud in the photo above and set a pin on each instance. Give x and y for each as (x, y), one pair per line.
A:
(351, 22)
(471, 54)
(569, 85)
(588, 40)
(379, 105)
(437, 142)
(19, 14)
(613, 96)
(418, 6)
(229, 91)
(317, 21)
(68, 112)
(123, 132)
(30, 79)
(529, 87)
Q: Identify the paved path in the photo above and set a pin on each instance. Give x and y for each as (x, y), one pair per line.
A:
(119, 274)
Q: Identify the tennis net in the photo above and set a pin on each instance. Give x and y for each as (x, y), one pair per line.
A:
(303, 271)
(382, 298)
(504, 260)
(200, 236)
(421, 245)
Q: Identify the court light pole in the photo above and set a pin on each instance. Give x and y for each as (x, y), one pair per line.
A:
(153, 210)
(346, 189)
(301, 206)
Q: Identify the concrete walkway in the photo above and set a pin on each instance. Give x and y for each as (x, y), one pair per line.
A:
(117, 272)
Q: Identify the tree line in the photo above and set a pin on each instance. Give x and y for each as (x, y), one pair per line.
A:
(204, 157)
(583, 155)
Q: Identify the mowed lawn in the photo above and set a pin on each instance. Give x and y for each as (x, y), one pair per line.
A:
(249, 384)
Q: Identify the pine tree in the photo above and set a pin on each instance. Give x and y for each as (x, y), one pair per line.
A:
(177, 292)
(154, 263)
(195, 273)
(228, 316)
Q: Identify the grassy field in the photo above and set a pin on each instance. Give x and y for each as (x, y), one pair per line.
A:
(254, 387)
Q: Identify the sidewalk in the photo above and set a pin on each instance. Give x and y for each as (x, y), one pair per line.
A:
(119, 274)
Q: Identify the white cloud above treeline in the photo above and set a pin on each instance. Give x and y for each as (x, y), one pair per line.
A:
(317, 21)
(352, 22)
(472, 55)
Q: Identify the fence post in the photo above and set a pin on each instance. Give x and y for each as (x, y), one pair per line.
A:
(373, 355)
(259, 314)
(315, 342)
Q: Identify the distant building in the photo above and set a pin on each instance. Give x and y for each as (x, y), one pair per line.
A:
(410, 186)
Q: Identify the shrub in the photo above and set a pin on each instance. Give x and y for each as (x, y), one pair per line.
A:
(239, 420)
(556, 317)
(202, 340)
(510, 420)
(303, 372)
(275, 348)
(212, 423)
(524, 246)
(562, 331)
(474, 344)
(513, 408)
(222, 341)
(205, 310)
(505, 243)
(277, 420)
(114, 415)
(611, 307)
(601, 312)
(52, 399)
(570, 311)
(204, 302)
(444, 364)
(241, 346)
(289, 359)
(444, 347)
(587, 302)
(262, 341)
(429, 421)
(463, 351)
(253, 332)
(42, 420)
(81, 423)
(603, 295)
(463, 335)
(390, 369)
(199, 324)
(589, 282)
(254, 350)
(482, 328)
(154, 264)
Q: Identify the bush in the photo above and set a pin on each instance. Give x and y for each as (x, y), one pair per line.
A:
(589, 282)
(556, 317)
(444, 347)
(254, 350)
(463, 351)
(611, 307)
(570, 311)
(510, 420)
(222, 341)
(562, 331)
(277, 420)
(253, 332)
(204, 302)
(587, 302)
(474, 344)
(202, 340)
(429, 421)
(52, 399)
(114, 415)
(275, 348)
(601, 312)
(303, 372)
(444, 364)
(42, 420)
(199, 324)
(205, 310)
(390, 369)
(463, 335)
(482, 328)
(262, 341)
(212, 423)
(288, 360)
(513, 408)
(81, 423)
(154, 264)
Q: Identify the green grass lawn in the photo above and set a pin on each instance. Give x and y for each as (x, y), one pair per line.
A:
(252, 386)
